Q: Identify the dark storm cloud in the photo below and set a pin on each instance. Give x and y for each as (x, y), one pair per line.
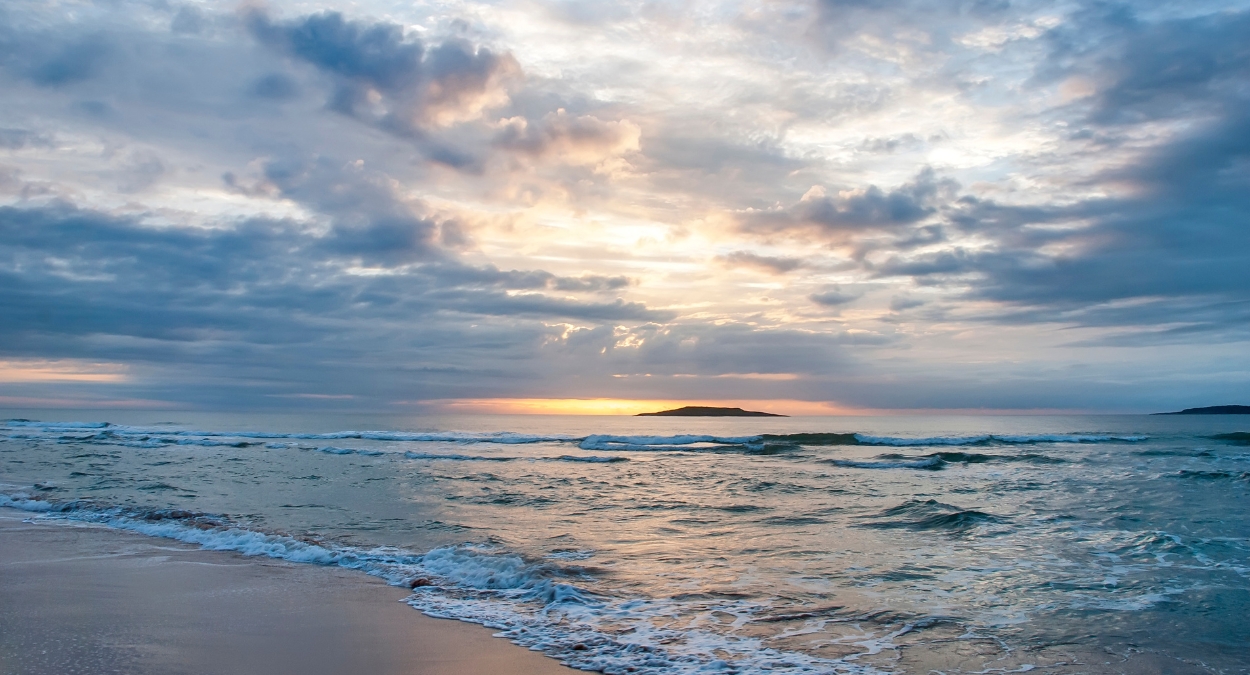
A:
(1174, 249)
(377, 55)
(416, 85)
(1183, 233)
(266, 300)
(862, 210)
(1146, 70)
(369, 219)
(70, 63)
(1167, 251)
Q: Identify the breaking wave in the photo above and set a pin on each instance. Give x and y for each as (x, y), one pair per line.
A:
(106, 433)
(544, 605)
(694, 443)
(108, 430)
(996, 439)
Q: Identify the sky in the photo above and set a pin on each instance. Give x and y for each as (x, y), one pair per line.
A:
(807, 206)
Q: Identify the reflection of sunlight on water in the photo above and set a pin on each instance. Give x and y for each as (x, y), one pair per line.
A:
(830, 557)
(613, 406)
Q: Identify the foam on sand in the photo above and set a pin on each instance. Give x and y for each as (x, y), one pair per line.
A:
(543, 605)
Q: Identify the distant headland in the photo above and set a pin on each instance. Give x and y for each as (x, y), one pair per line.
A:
(1213, 410)
(708, 411)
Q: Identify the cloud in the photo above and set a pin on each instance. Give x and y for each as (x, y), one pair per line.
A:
(900, 303)
(770, 264)
(583, 139)
(189, 20)
(699, 349)
(925, 26)
(368, 202)
(369, 219)
(590, 283)
(389, 79)
(275, 86)
(1172, 248)
(1140, 71)
(272, 294)
(16, 139)
(73, 62)
(858, 210)
(834, 297)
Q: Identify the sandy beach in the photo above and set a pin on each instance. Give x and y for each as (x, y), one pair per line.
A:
(83, 599)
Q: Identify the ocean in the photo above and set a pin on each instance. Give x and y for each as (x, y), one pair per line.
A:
(652, 545)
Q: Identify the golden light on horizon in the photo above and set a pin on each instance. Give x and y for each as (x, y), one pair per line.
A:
(617, 406)
(39, 370)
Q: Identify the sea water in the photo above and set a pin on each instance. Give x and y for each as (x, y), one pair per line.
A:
(680, 545)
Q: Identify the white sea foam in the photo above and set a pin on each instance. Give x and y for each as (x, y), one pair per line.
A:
(536, 604)
(153, 437)
(897, 441)
(547, 602)
(24, 502)
(679, 443)
(925, 463)
(211, 443)
(456, 457)
(174, 435)
(56, 426)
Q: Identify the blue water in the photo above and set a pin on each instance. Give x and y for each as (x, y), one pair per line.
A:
(676, 545)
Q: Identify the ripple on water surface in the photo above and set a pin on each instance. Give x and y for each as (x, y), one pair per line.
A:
(662, 546)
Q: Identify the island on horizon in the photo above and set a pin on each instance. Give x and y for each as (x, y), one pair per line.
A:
(708, 411)
(1213, 410)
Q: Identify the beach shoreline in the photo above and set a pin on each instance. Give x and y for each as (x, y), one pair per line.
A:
(83, 598)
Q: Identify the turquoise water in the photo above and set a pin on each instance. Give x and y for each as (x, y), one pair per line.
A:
(674, 545)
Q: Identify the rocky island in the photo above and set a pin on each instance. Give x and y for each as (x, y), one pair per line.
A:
(1213, 410)
(708, 411)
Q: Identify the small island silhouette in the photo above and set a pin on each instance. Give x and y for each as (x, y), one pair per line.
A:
(708, 411)
(1213, 410)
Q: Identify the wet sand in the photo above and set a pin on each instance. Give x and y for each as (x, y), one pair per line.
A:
(76, 598)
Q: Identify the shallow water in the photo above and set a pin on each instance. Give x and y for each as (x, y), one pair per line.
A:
(673, 545)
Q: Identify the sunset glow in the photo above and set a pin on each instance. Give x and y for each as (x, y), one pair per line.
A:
(573, 206)
(61, 371)
(603, 406)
